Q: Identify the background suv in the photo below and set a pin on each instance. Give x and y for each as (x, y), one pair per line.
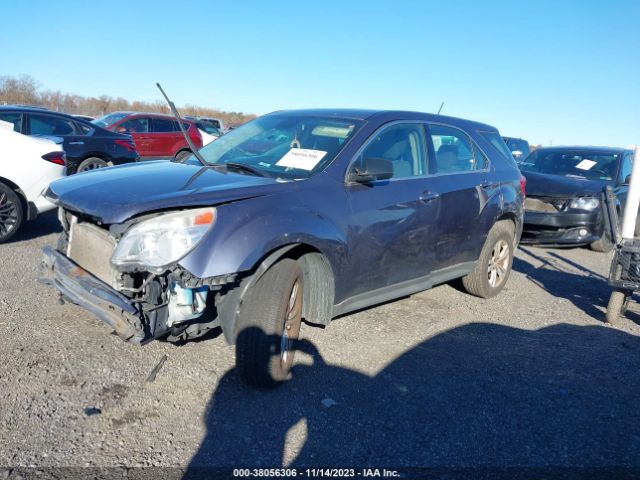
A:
(156, 136)
(86, 146)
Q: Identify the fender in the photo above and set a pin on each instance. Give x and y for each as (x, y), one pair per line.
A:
(247, 231)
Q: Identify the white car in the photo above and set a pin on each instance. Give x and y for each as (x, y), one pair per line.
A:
(27, 166)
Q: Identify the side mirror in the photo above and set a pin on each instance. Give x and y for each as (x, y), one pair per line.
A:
(372, 169)
(517, 154)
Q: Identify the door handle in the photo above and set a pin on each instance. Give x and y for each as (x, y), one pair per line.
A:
(76, 143)
(429, 196)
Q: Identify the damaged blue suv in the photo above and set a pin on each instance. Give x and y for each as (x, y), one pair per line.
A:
(297, 215)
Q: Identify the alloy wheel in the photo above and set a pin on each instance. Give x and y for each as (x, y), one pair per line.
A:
(8, 215)
(498, 263)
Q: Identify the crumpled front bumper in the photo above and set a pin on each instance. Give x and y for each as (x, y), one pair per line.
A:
(85, 290)
(561, 228)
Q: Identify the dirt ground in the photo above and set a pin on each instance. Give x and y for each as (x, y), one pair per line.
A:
(531, 379)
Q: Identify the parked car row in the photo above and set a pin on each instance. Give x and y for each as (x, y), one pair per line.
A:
(302, 214)
(86, 145)
(156, 136)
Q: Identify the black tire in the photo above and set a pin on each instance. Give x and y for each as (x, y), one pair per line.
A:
(11, 213)
(494, 264)
(182, 155)
(92, 163)
(617, 306)
(268, 325)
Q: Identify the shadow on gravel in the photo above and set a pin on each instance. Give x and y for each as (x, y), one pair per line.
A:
(43, 225)
(478, 396)
(586, 291)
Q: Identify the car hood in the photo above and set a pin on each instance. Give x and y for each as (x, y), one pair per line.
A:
(116, 194)
(542, 185)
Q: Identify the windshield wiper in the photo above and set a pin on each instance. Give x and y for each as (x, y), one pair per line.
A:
(244, 168)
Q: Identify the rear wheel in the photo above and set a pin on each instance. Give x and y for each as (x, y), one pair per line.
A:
(92, 163)
(617, 306)
(11, 213)
(269, 324)
(494, 265)
(182, 155)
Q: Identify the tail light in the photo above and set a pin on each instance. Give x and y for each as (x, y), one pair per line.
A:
(55, 157)
(523, 185)
(128, 144)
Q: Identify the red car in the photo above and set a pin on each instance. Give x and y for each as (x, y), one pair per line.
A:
(156, 136)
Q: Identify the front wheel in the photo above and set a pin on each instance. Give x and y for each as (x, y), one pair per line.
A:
(494, 265)
(11, 213)
(269, 324)
(617, 306)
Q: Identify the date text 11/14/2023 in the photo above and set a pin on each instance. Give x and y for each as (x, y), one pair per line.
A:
(315, 472)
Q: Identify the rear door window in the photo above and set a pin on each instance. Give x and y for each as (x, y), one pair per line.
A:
(454, 150)
(15, 118)
(50, 125)
(161, 125)
(499, 144)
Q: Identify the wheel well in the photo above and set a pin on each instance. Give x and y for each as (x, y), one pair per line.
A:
(318, 284)
(511, 217)
(20, 193)
(317, 305)
(182, 150)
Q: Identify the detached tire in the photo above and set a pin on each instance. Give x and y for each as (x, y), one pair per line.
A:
(617, 306)
(268, 325)
(11, 213)
(494, 265)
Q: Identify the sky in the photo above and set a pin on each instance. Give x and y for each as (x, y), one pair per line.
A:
(552, 72)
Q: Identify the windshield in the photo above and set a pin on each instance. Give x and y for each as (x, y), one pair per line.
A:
(573, 163)
(109, 119)
(518, 145)
(209, 128)
(283, 146)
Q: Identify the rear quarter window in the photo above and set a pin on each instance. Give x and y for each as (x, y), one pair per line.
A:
(497, 142)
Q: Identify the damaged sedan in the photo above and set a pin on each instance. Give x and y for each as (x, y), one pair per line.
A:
(564, 204)
(297, 215)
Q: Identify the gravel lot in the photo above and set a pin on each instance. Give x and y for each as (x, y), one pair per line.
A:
(532, 378)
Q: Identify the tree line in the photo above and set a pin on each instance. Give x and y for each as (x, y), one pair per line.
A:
(25, 90)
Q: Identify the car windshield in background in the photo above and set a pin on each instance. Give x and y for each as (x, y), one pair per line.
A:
(578, 164)
(209, 128)
(109, 119)
(283, 146)
(518, 145)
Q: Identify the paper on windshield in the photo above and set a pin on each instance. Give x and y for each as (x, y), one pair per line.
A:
(586, 164)
(302, 158)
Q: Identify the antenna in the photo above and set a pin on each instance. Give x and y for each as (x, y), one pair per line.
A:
(440, 109)
(174, 110)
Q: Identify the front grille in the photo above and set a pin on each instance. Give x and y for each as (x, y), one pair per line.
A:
(91, 247)
(544, 205)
